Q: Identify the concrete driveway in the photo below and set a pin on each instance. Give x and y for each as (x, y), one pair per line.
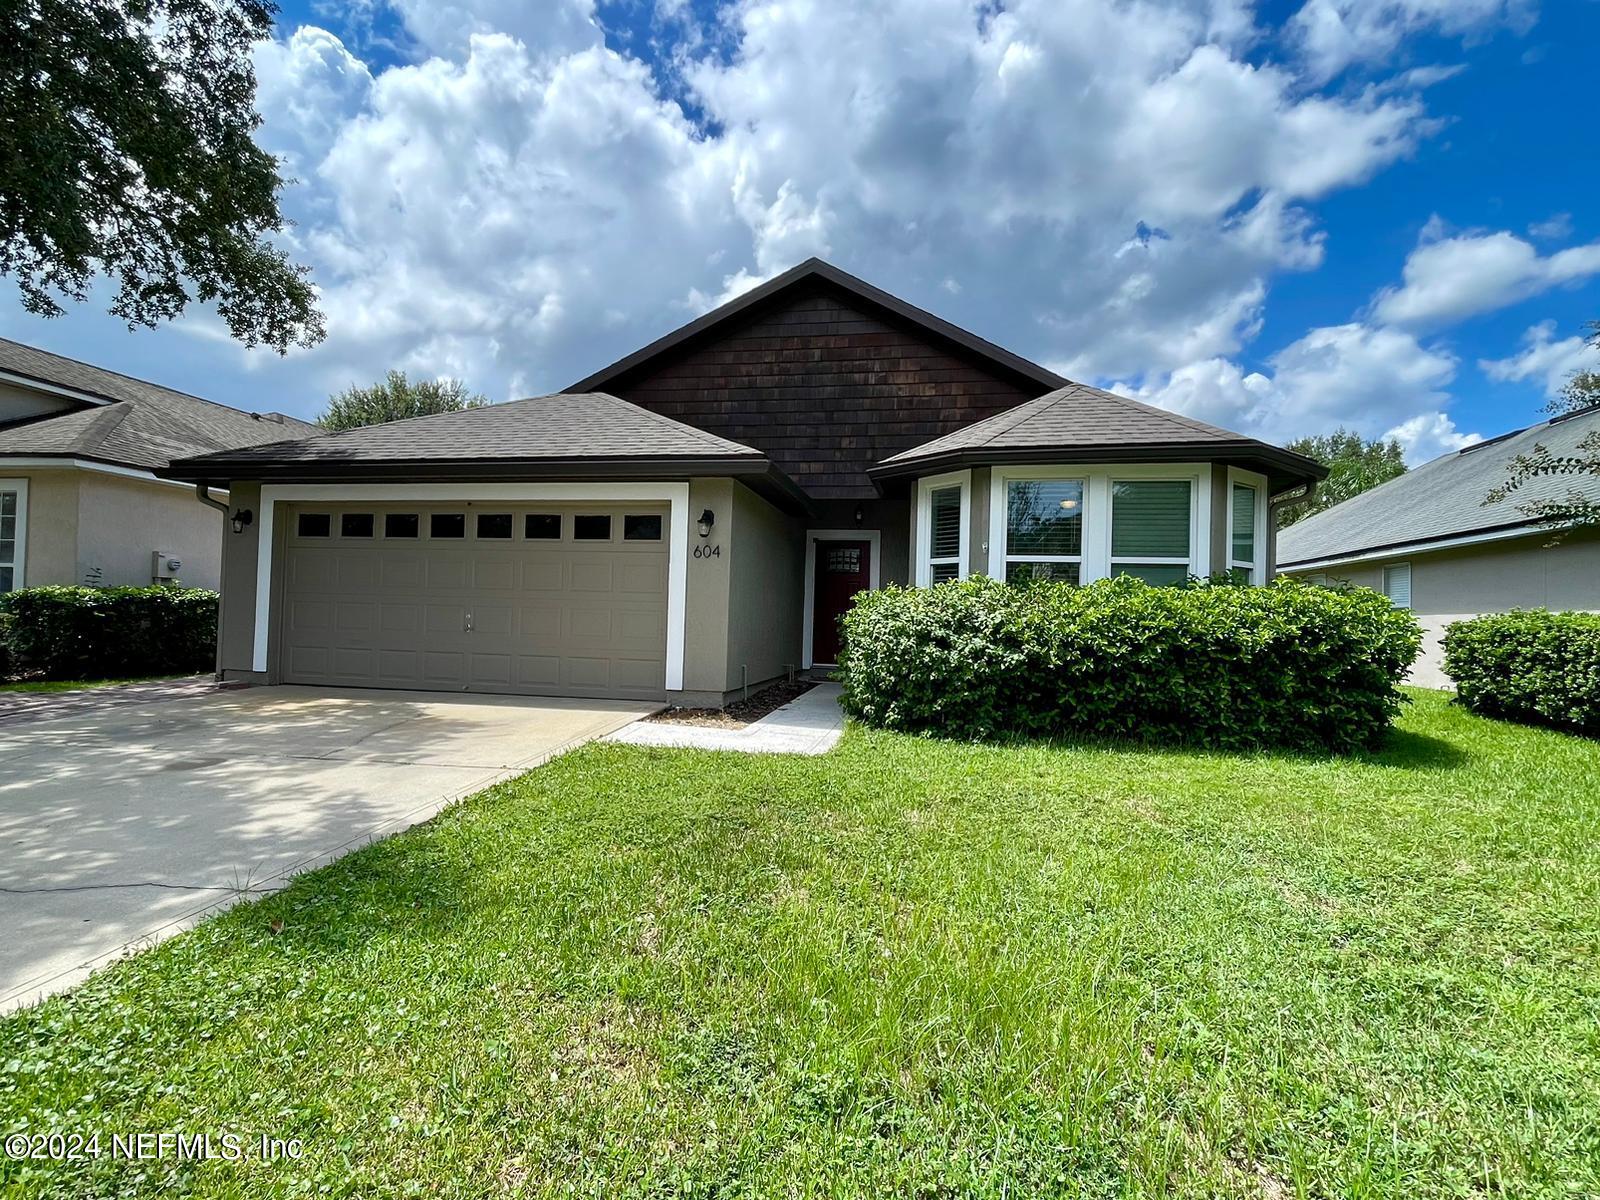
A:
(121, 826)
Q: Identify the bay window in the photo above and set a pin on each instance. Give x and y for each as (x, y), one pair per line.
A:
(1243, 553)
(942, 515)
(13, 532)
(1044, 530)
(1152, 529)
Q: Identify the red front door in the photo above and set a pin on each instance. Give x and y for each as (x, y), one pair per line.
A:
(842, 570)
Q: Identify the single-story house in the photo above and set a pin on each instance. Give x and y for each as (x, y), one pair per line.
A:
(696, 516)
(1429, 542)
(79, 498)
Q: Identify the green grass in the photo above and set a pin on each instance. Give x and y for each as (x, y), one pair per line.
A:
(73, 685)
(909, 968)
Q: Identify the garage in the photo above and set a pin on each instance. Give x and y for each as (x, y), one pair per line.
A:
(533, 598)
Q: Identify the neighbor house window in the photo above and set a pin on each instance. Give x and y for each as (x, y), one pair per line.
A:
(447, 525)
(314, 525)
(1397, 584)
(592, 528)
(1242, 550)
(1151, 529)
(942, 521)
(355, 525)
(13, 532)
(494, 525)
(1044, 530)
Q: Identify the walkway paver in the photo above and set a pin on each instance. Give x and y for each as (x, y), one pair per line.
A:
(809, 724)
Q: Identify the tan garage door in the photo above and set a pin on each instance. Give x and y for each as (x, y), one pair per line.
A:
(553, 600)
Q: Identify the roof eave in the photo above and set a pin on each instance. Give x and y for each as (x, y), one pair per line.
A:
(1287, 468)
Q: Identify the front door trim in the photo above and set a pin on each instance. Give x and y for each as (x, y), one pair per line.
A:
(676, 495)
(813, 536)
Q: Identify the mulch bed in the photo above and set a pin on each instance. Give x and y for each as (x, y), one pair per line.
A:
(741, 712)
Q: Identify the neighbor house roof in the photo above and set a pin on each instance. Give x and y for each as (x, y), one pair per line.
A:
(1086, 424)
(814, 272)
(571, 435)
(1442, 500)
(124, 421)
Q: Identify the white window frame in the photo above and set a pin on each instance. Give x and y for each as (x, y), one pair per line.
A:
(999, 512)
(1096, 560)
(1410, 604)
(19, 554)
(1257, 571)
(922, 524)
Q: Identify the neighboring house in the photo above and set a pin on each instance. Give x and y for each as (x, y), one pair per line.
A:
(79, 500)
(1430, 543)
(696, 516)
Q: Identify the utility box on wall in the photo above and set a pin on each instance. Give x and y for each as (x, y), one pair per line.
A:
(163, 567)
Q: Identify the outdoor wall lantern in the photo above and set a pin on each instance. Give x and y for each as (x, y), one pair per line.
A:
(242, 519)
(860, 516)
(707, 520)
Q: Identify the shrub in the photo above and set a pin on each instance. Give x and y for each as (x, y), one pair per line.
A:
(1289, 665)
(104, 633)
(1531, 665)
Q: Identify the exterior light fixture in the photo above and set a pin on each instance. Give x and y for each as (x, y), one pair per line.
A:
(860, 516)
(707, 520)
(242, 519)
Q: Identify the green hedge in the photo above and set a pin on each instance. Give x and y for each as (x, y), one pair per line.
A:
(1534, 666)
(1221, 665)
(108, 633)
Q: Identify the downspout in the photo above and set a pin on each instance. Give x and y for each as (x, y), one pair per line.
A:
(202, 493)
(1297, 495)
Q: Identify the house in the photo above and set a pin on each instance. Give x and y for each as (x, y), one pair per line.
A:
(79, 498)
(696, 516)
(1429, 542)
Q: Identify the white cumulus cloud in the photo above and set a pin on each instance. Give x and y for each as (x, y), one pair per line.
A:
(1451, 278)
(1543, 358)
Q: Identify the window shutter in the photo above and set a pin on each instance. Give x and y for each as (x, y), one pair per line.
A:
(1244, 523)
(1397, 584)
(1150, 519)
(945, 506)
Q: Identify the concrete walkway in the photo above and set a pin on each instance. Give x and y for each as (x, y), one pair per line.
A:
(123, 826)
(809, 724)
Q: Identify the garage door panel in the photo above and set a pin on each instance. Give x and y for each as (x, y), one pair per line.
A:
(494, 574)
(546, 617)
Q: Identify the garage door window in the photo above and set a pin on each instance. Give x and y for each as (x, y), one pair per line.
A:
(401, 525)
(591, 528)
(447, 525)
(356, 525)
(314, 525)
(542, 527)
(641, 528)
(494, 525)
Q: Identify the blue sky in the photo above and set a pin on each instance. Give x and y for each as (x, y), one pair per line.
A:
(1360, 212)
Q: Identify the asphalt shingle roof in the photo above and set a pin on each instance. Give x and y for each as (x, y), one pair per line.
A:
(1078, 415)
(140, 425)
(1442, 498)
(589, 426)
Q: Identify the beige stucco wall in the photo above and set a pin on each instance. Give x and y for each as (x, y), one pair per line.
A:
(18, 402)
(766, 586)
(705, 628)
(1452, 585)
(237, 619)
(122, 521)
(52, 525)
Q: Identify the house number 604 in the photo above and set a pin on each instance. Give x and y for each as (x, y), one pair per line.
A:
(708, 551)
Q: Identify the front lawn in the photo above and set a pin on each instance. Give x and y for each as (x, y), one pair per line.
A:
(907, 968)
(76, 685)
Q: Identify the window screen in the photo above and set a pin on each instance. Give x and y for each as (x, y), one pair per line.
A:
(945, 527)
(1397, 584)
(1244, 525)
(1150, 519)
